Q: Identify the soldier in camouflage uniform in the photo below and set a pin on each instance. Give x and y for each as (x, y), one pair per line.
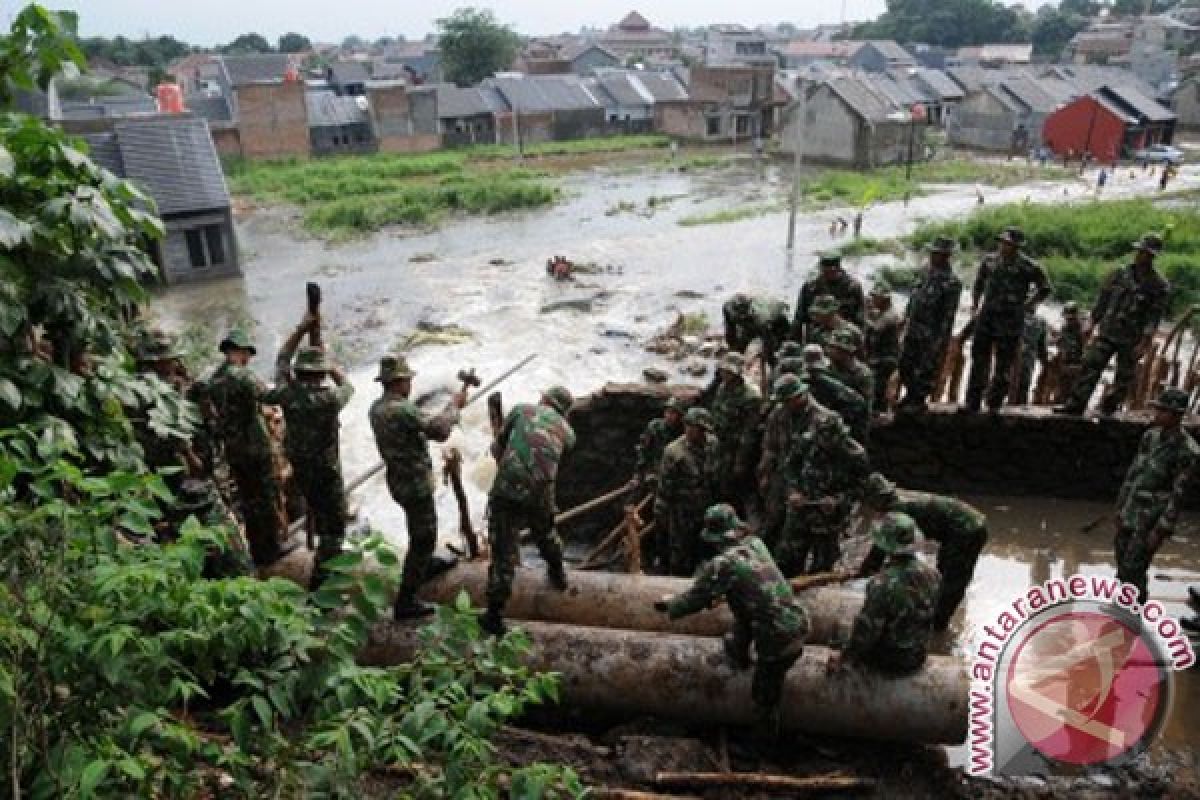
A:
(310, 410)
(883, 343)
(402, 434)
(891, 633)
(163, 450)
(1152, 495)
(765, 611)
(236, 394)
(1069, 351)
(658, 434)
(825, 320)
(929, 320)
(1126, 316)
(748, 318)
(1009, 286)
(528, 452)
(959, 529)
(846, 367)
(829, 390)
(789, 360)
(823, 479)
(687, 484)
(831, 279)
(1034, 350)
(199, 499)
(794, 413)
(737, 416)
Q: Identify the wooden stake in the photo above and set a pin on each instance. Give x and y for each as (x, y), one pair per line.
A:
(816, 783)
(612, 536)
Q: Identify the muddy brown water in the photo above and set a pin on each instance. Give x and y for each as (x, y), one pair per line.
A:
(488, 277)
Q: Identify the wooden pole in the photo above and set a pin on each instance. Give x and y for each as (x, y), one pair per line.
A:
(756, 780)
(452, 474)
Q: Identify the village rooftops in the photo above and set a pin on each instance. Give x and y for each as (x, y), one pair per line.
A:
(859, 96)
(344, 73)
(637, 88)
(456, 103)
(939, 83)
(820, 49)
(1032, 94)
(1141, 105)
(997, 53)
(326, 109)
(544, 93)
(260, 68)
(213, 107)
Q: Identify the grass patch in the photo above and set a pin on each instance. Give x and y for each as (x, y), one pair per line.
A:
(731, 215)
(694, 323)
(609, 144)
(901, 279)
(1081, 244)
(866, 246)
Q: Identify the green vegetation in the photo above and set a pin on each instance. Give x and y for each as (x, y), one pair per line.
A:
(866, 246)
(693, 323)
(731, 214)
(1080, 244)
(571, 147)
(475, 45)
(900, 278)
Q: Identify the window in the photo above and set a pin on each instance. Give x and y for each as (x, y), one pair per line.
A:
(713, 126)
(206, 246)
(742, 125)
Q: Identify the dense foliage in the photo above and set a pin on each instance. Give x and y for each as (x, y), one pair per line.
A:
(475, 46)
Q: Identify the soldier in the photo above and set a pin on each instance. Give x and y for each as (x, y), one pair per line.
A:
(822, 480)
(157, 355)
(829, 390)
(1126, 316)
(846, 367)
(891, 633)
(1033, 351)
(231, 557)
(528, 451)
(748, 318)
(658, 434)
(883, 342)
(832, 280)
(1150, 499)
(959, 529)
(825, 320)
(402, 434)
(736, 415)
(789, 360)
(687, 485)
(928, 325)
(792, 416)
(1069, 351)
(235, 393)
(310, 411)
(1009, 286)
(765, 611)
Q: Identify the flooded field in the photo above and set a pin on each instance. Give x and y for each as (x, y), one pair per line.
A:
(486, 276)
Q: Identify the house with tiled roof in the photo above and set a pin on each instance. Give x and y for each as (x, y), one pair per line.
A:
(467, 115)
(546, 108)
(630, 97)
(852, 121)
(880, 56)
(635, 38)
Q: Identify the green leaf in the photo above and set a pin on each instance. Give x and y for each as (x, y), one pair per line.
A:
(263, 709)
(10, 394)
(345, 561)
(8, 166)
(143, 722)
(92, 775)
(13, 231)
(387, 557)
(133, 769)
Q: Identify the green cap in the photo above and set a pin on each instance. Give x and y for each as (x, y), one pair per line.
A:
(310, 360)
(844, 339)
(1013, 235)
(788, 386)
(790, 349)
(814, 356)
(559, 398)
(699, 417)
(393, 368)
(674, 404)
(1172, 399)
(1150, 242)
(157, 345)
(881, 289)
(878, 489)
(829, 258)
(896, 533)
(195, 497)
(825, 304)
(721, 524)
(237, 339)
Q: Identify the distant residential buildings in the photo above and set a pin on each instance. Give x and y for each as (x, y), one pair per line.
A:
(634, 38)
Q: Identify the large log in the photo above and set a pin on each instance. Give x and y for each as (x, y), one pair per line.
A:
(688, 678)
(620, 600)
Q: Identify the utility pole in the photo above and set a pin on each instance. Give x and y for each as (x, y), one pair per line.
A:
(517, 127)
(797, 159)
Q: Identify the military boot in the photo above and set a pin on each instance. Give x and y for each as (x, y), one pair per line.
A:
(407, 606)
(556, 574)
(737, 651)
(492, 622)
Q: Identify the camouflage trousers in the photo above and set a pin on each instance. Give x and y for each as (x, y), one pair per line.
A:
(774, 513)
(1025, 385)
(992, 358)
(811, 542)
(325, 497)
(506, 519)
(882, 369)
(261, 504)
(421, 516)
(1095, 360)
(684, 518)
(920, 362)
(956, 564)
(1134, 554)
(774, 656)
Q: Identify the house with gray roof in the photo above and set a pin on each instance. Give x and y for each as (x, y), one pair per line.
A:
(851, 122)
(467, 116)
(991, 118)
(881, 55)
(171, 157)
(546, 108)
(348, 78)
(629, 97)
(338, 124)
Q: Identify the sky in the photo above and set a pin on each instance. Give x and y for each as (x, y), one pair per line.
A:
(211, 22)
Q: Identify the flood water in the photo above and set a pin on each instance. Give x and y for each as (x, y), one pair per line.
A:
(487, 277)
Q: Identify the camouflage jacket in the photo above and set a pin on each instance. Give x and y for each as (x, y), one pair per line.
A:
(857, 376)
(883, 336)
(311, 414)
(845, 287)
(758, 595)
(654, 441)
(402, 434)
(822, 336)
(896, 621)
(688, 473)
(829, 472)
(784, 430)
(737, 414)
(1071, 343)
(1127, 310)
(765, 319)
(831, 392)
(1157, 480)
(940, 518)
(530, 446)
(932, 306)
(1033, 343)
(235, 393)
(1003, 289)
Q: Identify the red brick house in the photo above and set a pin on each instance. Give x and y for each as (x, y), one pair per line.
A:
(1110, 123)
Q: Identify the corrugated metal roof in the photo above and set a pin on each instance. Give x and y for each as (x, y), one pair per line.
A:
(865, 102)
(108, 106)
(940, 83)
(213, 108)
(260, 68)
(345, 72)
(890, 50)
(326, 109)
(1139, 103)
(1031, 94)
(543, 93)
(624, 92)
(662, 86)
(454, 102)
(173, 160)
(896, 93)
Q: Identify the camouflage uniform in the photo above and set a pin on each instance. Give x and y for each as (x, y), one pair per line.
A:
(842, 285)
(883, 351)
(402, 433)
(200, 500)
(765, 611)
(311, 413)
(858, 377)
(737, 416)
(528, 451)
(1002, 295)
(830, 391)
(686, 487)
(1152, 495)
(829, 465)
(658, 434)
(823, 336)
(749, 318)
(1033, 350)
(235, 393)
(1126, 311)
(959, 529)
(1069, 352)
(930, 319)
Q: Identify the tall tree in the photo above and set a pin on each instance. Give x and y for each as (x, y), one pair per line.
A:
(1053, 28)
(474, 45)
(949, 23)
(294, 43)
(247, 43)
